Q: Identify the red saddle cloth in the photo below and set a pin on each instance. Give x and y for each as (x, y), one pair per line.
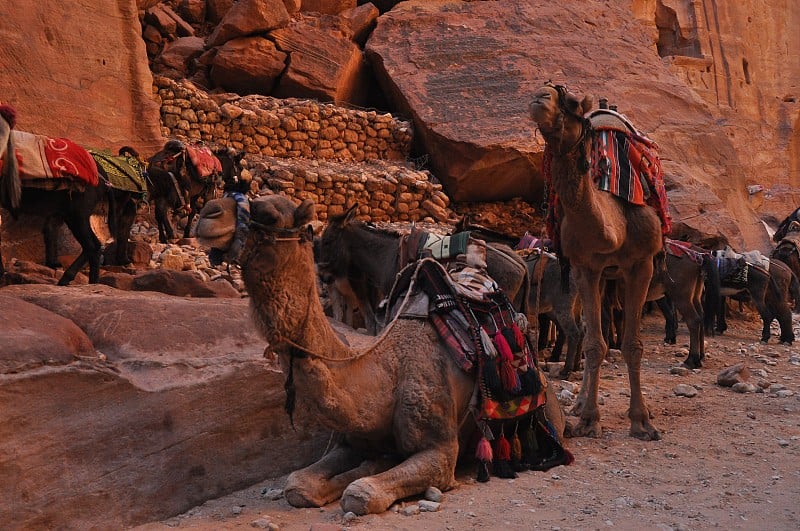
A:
(42, 157)
(204, 160)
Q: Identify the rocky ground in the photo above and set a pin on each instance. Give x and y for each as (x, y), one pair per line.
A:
(727, 459)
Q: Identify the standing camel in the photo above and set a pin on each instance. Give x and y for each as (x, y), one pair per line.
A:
(602, 236)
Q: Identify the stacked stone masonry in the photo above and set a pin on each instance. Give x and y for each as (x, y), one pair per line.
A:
(333, 155)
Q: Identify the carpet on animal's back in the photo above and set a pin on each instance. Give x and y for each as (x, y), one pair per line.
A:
(124, 173)
(204, 160)
(42, 157)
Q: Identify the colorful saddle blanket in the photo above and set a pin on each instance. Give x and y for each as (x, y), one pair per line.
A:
(204, 160)
(624, 163)
(124, 173)
(41, 157)
(681, 249)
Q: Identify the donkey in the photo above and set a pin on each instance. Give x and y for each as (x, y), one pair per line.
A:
(175, 182)
(71, 199)
(784, 226)
(787, 249)
(369, 259)
(770, 291)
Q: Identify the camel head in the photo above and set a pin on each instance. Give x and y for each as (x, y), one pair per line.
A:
(217, 223)
(276, 219)
(558, 113)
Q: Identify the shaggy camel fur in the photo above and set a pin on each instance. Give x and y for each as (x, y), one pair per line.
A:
(603, 237)
(399, 402)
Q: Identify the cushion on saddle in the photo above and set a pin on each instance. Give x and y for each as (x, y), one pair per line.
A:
(443, 247)
(681, 249)
(41, 157)
(204, 160)
(754, 258)
(124, 173)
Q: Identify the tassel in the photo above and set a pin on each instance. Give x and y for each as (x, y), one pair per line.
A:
(484, 455)
(488, 347)
(530, 383)
(511, 338)
(516, 453)
(509, 377)
(530, 448)
(491, 378)
(502, 462)
(520, 339)
(503, 347)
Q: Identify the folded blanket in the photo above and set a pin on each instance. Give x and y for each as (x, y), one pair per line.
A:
(204, 160)
(41, 157)
(123, 173)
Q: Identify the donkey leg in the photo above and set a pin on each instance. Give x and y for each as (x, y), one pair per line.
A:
(165, 231)
(91, 248)
(694, 322)
(50, 235)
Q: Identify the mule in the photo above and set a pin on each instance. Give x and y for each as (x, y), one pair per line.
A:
(783, 228)
(369, 259)
(787, 249)
(175, 183)
(70, 200)
(770, 291)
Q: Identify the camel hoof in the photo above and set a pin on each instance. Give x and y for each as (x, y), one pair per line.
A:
(361, 497)
(648, 433)
(586, 428)
(298, 498)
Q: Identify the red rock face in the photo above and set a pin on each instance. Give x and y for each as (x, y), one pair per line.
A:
(80, 74)
(465, 70)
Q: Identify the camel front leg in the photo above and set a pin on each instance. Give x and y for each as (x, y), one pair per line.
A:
(594, 350)
(637, 281)
(434, 467)
(324, 481)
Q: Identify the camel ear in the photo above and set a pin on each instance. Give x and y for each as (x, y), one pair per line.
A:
(304, 213)
(586, 104)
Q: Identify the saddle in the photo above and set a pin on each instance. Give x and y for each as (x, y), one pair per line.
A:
(124, 173)
(683, 249)
(53, 163)
(484, 335)
(205, 162)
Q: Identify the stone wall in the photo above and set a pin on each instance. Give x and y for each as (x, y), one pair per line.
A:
(307, 149)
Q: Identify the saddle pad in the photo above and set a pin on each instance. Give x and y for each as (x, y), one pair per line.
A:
(124, 173)
(792, 237)
(206, 163)
(681, 249)
(41, 157)
(443, 247)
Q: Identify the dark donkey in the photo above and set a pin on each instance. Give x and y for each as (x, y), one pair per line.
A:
(69, 198)
(368, 260)
(182, 177)
(787, 249)
(770, 290)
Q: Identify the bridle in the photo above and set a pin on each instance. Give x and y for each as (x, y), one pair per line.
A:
(586, 124)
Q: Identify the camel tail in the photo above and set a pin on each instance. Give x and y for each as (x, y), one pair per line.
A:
(712, 285)
(10, 184)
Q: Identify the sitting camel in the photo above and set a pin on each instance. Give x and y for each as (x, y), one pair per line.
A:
(602, 236)
(400, 403)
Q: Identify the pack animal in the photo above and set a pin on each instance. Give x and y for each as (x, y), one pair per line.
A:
(601, 236)
(61, 184)
(176, 182)
(399, 402)
(369, 259)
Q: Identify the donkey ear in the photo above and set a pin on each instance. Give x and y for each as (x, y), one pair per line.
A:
(304, 213)
(586, 104)
(350, 215)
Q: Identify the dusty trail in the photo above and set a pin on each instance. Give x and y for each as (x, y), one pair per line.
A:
(726, 460)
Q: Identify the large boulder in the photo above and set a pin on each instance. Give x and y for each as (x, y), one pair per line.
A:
(85, 76)
(249, 17)
(250, 65)
(118, 408)
(466, 71)
(324, 62)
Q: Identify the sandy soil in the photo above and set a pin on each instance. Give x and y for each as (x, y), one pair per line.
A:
(726, 460)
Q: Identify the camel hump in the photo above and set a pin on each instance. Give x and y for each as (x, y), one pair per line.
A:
(608, 119)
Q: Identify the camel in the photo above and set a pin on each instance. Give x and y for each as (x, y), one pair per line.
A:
(602, 236)
(399, 403)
